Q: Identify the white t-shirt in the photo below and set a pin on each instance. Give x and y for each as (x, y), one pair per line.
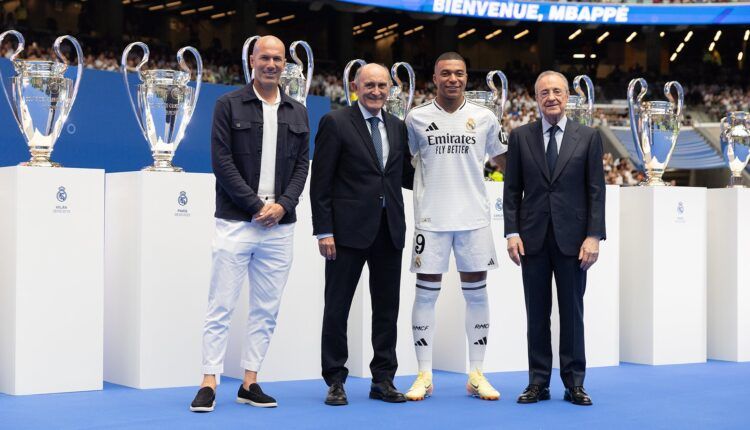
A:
(450, 148)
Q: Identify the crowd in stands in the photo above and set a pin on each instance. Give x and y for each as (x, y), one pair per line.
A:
(222, 68)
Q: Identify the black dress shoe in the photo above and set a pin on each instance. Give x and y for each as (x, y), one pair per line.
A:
(534, 393)
(336, 395)
(386, 392)
(577, 396)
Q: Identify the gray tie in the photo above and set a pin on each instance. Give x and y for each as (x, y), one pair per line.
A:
(377, 141)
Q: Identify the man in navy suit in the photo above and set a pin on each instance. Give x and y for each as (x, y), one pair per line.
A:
(361, 162)
(554, 219)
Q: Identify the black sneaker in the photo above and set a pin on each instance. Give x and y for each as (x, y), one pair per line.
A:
(254, 396)
(204, 401)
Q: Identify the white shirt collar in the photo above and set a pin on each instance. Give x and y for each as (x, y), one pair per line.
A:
(366, 113)
(275, 102)
(546, 125)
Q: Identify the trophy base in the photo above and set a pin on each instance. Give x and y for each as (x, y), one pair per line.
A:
(162, 169)
(735, 182)
(654, 182)
(40, 163)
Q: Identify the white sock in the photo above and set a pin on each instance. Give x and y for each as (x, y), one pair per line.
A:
(477, 321)
(423, 322)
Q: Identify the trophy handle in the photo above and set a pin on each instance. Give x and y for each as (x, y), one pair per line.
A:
(245, 54)
(588, 96)
(347, 70)
(410, 72)
(198, 73)
(680, 96)
(16, 53)
(502, 97)
(310, 62)
(124, 70)
(62, 58)
(634, 115)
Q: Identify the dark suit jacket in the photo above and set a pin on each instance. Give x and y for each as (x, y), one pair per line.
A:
(571, 197)
(236, 144)
(348, 186)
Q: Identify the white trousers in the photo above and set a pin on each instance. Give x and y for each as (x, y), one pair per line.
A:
(264, 257)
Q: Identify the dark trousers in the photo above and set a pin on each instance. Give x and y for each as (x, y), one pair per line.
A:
(537, 273)
(342, 276)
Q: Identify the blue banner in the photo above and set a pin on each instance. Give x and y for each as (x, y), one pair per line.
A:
(102, 132)
(604, 13)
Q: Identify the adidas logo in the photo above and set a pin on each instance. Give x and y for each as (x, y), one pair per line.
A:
(482, 341)
(420, 342)
(432, 127)
(492, 262)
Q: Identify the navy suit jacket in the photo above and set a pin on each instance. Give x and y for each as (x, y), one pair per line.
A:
(571, 198)
(348, 185)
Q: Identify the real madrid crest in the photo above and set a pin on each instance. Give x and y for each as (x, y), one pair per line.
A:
(418, 261)
(471, 124)
(62, 195)
(182, 199)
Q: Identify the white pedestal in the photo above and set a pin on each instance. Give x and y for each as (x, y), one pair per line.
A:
(507, 347)
(360, 318)
(294, 352)
(159, 229)
(663, 275)
(51, 279)
(729, 274)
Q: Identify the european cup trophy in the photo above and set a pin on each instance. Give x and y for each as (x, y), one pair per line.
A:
(293, 82)
(735, 144)
(655, 126)
(580, 107)
(346, 81)
(41, 97)
(494, 99)
(165, 104)
(399, 102)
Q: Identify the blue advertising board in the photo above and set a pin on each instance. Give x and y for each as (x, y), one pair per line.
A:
(102, 132)
(602, 13)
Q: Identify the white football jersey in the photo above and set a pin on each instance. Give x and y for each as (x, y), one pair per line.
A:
(449, 151)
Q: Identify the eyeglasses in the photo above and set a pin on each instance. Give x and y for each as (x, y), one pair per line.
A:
(557, 92)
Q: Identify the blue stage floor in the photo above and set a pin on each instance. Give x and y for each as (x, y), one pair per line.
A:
(715, 395)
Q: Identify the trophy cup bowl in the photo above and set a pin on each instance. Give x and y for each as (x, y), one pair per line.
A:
(165, 105)
(580, 107)
(655, 126)
(735, 145)
(293, 82)
(41, 98)
(399, 101)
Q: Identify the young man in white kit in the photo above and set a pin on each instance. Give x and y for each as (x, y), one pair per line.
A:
(449, 138)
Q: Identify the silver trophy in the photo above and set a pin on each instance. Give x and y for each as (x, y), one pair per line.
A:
(165, 104)
(580, 107)
(655, 126)
(41, 97)
(494, 99)
(735, 144)
(399, 102)
(249, 74)
(347, 83)
(294, 84)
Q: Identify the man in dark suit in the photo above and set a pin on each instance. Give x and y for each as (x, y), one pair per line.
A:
(359, 165)
(554, 219)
